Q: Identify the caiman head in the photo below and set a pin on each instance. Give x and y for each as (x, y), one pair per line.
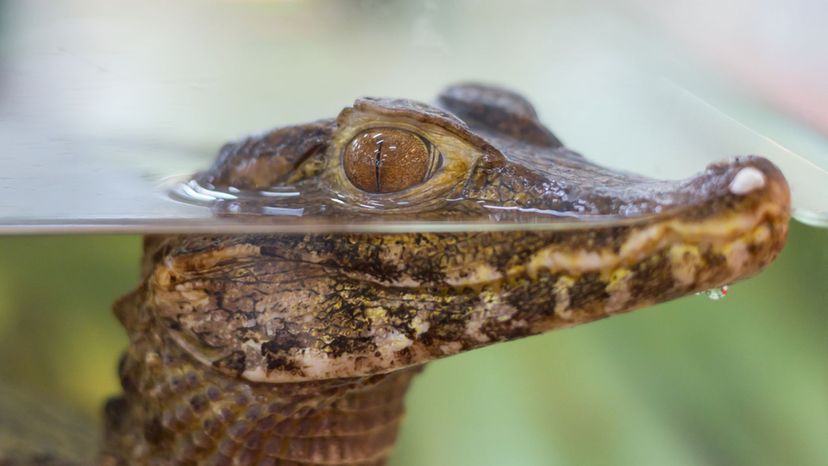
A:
(564, 241)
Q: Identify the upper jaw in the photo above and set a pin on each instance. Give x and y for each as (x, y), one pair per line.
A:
(499, 179)
(509, 180)
(560, 183)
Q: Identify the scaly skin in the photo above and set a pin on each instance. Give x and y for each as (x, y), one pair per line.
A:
(298, 349)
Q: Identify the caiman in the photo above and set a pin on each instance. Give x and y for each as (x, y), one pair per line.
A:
(297, 349)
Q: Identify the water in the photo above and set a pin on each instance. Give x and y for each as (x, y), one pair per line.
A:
(715, 294)
(95, 118)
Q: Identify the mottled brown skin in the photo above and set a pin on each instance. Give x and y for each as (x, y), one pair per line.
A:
(298, 349)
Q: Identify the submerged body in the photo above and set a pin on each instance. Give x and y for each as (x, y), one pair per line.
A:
(298, 349)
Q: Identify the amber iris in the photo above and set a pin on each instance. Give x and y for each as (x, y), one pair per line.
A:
(386, 160)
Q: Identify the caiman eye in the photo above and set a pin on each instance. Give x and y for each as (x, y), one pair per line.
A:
(387, 160)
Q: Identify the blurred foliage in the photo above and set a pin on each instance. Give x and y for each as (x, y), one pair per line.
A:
(739, 381)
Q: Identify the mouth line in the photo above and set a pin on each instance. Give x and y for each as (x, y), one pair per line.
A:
(725, 231)
(657, 236)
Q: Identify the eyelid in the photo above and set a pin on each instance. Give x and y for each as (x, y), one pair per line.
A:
(451, 166)
(387, 160)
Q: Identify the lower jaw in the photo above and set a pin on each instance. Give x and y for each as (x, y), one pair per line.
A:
(672, 259)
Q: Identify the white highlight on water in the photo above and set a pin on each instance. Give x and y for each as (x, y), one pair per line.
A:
(714, 293)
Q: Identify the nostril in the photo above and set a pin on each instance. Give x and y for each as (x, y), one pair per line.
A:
(747, 180)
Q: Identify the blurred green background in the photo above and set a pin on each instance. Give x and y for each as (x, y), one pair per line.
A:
(737, 382)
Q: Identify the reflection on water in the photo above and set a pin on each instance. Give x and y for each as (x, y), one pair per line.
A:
(323, 211)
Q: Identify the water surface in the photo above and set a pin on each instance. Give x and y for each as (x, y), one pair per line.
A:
(100, 106)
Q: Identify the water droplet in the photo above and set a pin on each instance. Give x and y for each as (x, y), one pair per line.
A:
(715, 293)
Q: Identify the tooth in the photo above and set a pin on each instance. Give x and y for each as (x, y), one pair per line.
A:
(748, 179)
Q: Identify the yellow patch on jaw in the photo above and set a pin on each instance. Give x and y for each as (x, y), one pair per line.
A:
(554, 260)
(618, 275)
(494, 309)
(618, 289)
(162, 277)
(375, 313)
(210, 259)
(761, 234)
(516, 270)
(451, 348)
(195, 297)
(394, 341)
(737, 255)
(639, 240)
(685, 260)
(479, 274)
(419, 325)
(561, 289)
(731, 225)
(472, 330)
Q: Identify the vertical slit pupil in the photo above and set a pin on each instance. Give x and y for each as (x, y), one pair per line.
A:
(378, 165)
